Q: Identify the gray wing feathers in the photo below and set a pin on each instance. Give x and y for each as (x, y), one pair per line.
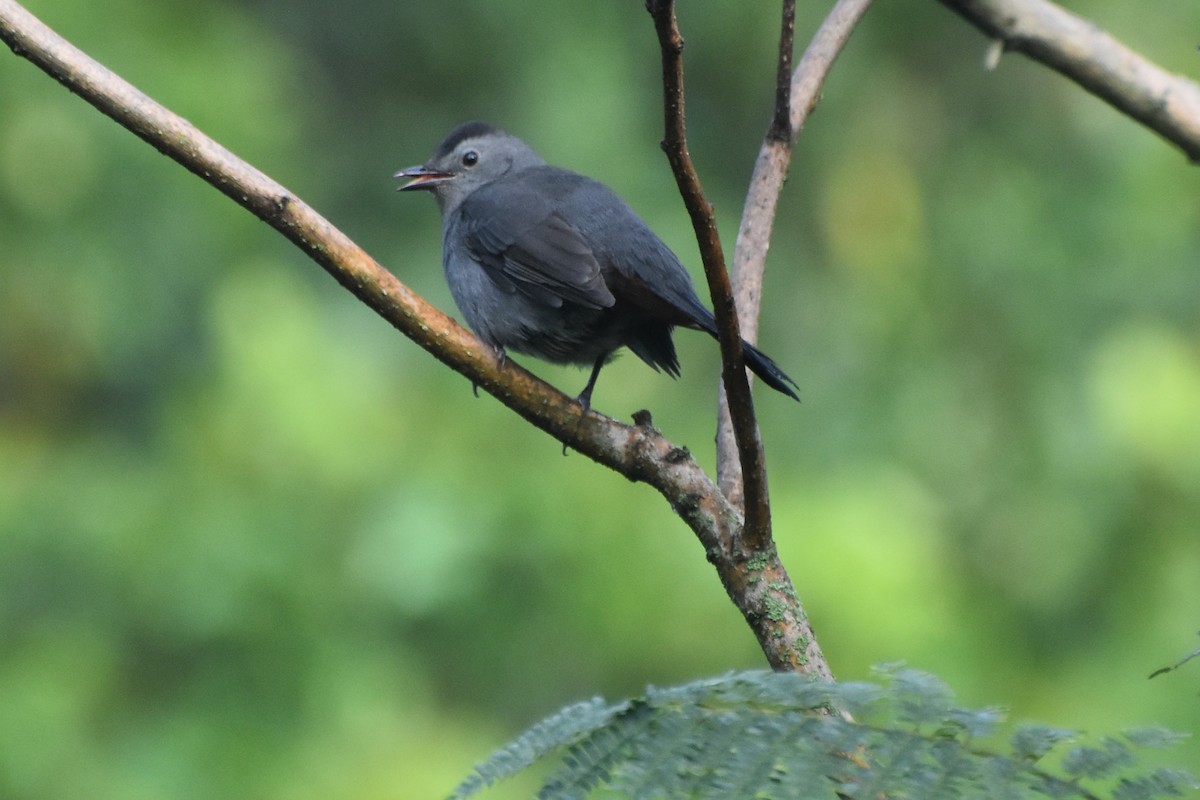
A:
(536, 253)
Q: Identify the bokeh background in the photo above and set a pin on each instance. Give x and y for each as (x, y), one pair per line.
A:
(255, 544)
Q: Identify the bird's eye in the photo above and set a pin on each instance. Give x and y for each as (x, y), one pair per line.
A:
(470, 158)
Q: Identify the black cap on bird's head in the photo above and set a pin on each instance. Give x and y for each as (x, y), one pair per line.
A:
(475, 129)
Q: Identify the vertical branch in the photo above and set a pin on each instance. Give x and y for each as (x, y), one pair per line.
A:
(796, 95)
(748, 283)
(781, 123)
(754, 576)
(756, 534)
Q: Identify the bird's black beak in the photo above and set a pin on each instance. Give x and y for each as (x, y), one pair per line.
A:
(422, 178)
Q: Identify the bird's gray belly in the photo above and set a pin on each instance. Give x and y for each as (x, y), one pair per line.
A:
(511, 320)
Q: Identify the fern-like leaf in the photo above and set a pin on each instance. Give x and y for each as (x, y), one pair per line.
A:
(769, 736)
(562, 729)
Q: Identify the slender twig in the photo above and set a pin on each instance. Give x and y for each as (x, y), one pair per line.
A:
(756, 502)
(818, 58)
(758, 587)
(781, 123)
(796, 95)
(1167, 104)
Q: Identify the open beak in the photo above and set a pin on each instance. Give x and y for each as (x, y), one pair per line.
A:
(422, 178)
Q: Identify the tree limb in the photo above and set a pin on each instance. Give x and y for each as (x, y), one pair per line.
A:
(1167, 104)
(755, 500)
(755, 547)
(796, 95)
(756, 582)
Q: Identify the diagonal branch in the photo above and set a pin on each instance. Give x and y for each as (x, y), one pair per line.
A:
(733, 370)
(1167, 104)
(796, 95)
(758, 586)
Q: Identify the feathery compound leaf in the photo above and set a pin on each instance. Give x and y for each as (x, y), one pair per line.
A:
(774, 690)
(1032, 741)
(921, 698)
(1154, 736)
(1098, 762)
(1160, 783)
(587, 763)
(975, 723)
(559, 730)
(770, 736)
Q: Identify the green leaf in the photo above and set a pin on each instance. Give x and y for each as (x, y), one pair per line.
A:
(1032, 741)
(765, 735)
(563, 728)
(1098, 762)
(1154, 736)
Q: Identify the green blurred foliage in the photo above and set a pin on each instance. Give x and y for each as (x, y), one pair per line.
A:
(255, 544)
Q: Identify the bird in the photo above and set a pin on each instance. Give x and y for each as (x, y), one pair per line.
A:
(549, 263)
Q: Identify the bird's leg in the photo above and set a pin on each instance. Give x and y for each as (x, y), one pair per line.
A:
(585, 397)
(502, 357)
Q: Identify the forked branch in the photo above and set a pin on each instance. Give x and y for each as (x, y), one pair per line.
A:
(796, 94)
(756, 583)
(704, 220)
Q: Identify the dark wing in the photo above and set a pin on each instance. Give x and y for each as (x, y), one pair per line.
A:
(524, 246)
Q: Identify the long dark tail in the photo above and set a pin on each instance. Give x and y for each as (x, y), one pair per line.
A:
(762, 366)
(690, 312)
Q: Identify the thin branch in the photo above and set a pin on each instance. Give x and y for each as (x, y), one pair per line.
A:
(758, 587)
(781, 123)
(796, 95)
(733, 372)
(1167, 104)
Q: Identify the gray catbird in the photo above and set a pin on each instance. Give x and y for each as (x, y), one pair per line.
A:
(546, 262)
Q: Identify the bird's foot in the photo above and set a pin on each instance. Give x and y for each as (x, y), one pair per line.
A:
(501, 357)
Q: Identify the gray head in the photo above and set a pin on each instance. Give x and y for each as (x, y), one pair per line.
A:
(473, 155)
